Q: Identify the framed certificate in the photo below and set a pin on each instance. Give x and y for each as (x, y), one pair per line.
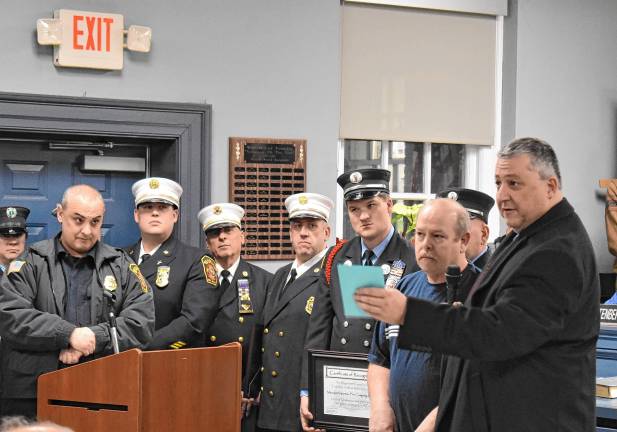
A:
(338, 389)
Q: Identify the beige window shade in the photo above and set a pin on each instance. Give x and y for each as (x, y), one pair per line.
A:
(417, 75)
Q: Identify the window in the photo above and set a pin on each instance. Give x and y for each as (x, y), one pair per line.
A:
(419, 170)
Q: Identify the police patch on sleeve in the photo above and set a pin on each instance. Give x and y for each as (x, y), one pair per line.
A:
(134, 268)
(209, 270)
(15, 266)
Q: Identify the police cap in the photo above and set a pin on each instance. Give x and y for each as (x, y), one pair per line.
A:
(478, 204)
(364, 183)
(13, 220)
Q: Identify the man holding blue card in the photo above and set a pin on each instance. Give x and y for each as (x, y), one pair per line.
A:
(369, 206)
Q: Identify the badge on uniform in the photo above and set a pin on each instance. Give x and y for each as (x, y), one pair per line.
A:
(110, 283)
(309, 305)
(395, 273)
(162, 276)
(134, 268)
(244, 297)
(15, 266)
(209, 270)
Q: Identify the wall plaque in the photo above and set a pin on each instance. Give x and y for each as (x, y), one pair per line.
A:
(263, 172)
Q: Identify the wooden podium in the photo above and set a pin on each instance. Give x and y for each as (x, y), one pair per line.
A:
(176, 390)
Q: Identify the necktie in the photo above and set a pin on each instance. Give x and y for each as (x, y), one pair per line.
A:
(292, 278)
(225, 282)
(367, 257)
(144, 257)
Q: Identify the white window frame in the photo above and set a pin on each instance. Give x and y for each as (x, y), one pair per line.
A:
(479, 160)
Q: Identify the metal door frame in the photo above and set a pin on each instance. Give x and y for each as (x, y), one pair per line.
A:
(184, 127)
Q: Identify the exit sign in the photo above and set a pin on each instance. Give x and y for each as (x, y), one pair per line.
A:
(90, 40)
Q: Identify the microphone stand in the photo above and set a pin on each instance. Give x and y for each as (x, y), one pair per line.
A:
(113, 331)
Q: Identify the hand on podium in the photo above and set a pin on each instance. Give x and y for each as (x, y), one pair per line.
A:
(83, 340)
(70, 356)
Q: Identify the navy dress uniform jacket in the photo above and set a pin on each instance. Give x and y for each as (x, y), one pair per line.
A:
(328, 327)
(185, 303)
(285, 323)
(526, 349)
(232, 326)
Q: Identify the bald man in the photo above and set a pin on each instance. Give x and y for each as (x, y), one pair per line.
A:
(55, 299)
(21, 424)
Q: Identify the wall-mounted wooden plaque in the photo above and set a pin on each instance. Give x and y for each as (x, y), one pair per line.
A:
(263, 172)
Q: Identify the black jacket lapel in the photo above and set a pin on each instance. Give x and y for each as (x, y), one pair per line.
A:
(308, 278)
(162, 257)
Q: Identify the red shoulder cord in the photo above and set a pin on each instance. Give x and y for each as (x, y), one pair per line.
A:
(330, 259)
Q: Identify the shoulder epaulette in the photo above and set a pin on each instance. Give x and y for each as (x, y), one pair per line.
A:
(330, 258)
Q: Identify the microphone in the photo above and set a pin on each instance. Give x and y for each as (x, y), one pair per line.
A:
(453, 276)
(113, 331)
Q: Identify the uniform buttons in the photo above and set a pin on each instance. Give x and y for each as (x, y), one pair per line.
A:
(266, 330)
(343, 341)
(274, 374)
(262, 388)
(263, 368)
(241, 339)
(367, 326)
(277, 354)
(281, 334)
(213, 338)
(271, 393)
(241, 319)
(366, 343)
(263, 349)
(345, 324)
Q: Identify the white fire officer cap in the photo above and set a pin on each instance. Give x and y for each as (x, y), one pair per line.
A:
(309, 205)
(157, 189)
(220, 215)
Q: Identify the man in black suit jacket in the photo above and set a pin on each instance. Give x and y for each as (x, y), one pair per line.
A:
(289, 306)
(243, 288)
(369, 206)
(185, 295)
(525, 338)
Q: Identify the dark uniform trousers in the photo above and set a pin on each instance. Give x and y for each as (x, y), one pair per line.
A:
(185, 301)
(286, 319)
(329, 329)
(232, 326)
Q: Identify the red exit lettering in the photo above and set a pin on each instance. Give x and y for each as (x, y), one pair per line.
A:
(93, 32)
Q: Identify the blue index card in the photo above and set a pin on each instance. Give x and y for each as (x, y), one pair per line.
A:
(352, 277)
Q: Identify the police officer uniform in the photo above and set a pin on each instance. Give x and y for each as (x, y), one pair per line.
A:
(289, 306)
(329, 329)
(35, 325)
(181, 276)
(242, 298)
(478, 205)
(12, 224)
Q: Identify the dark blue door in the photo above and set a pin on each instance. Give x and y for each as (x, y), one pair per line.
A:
(34, 176)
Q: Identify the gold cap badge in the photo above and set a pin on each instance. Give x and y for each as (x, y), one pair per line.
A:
(154, 184)
(218, 210)
(302, 200)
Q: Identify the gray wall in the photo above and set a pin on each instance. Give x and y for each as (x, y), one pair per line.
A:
(566, 93)
(269, 68)
(272, 68)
